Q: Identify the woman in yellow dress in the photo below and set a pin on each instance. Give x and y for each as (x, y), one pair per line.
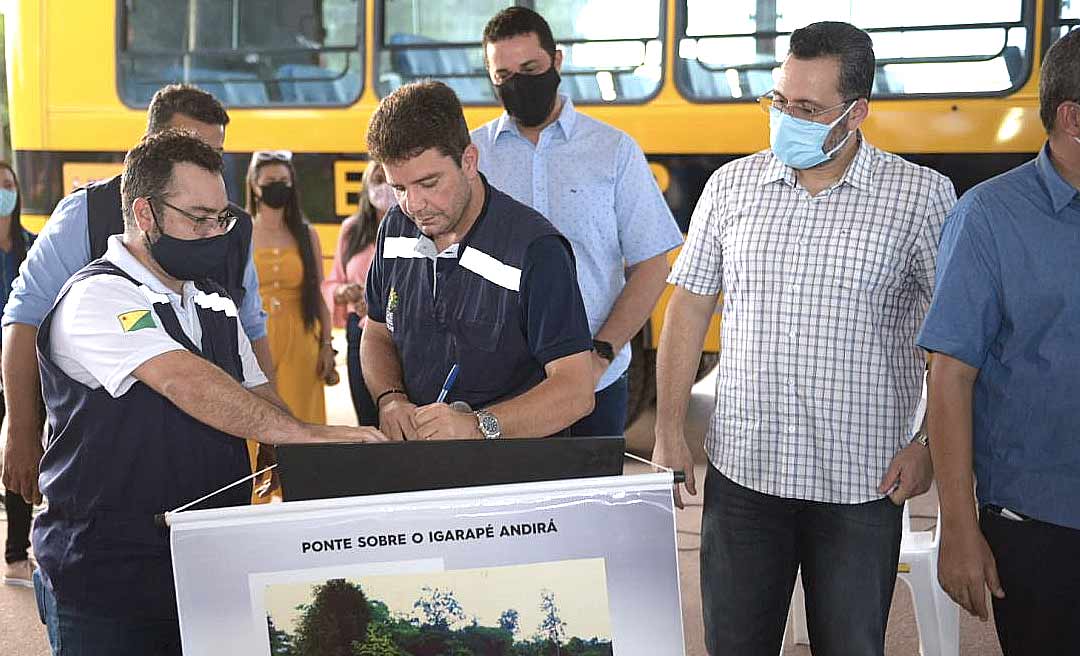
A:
(288, 259)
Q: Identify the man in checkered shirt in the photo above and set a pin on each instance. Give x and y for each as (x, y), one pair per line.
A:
(823, 249)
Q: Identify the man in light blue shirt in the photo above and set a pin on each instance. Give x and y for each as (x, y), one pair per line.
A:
(64, 247)
(593, 183)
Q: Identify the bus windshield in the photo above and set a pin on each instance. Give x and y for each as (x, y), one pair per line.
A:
(248, 53)
(612, 49)
(729, 50)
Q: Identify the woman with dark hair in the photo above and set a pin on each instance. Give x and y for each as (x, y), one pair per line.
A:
(288, 259)
(344, 289)
(14, 242)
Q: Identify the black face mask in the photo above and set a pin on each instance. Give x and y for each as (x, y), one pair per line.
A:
(188, 259)
(275, 194)
(529, 98)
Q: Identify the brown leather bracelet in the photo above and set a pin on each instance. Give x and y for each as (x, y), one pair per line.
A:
(392, 390)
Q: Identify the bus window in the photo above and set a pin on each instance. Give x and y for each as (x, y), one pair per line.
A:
(1068, 17)
(612, 49)
(729, 50)
(248, 53)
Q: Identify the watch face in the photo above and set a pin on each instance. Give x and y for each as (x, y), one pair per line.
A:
(489, 425)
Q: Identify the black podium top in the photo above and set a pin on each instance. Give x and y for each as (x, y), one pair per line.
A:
(326, 471)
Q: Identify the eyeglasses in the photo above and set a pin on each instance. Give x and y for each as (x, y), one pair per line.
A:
(800, 110)
(272, 156)
(204, 225)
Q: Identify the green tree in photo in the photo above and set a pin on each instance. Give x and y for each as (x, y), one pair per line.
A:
(379, 642)
(280, 642)
(552, 627)
(509, 621)
(337, 617)
(439, 608)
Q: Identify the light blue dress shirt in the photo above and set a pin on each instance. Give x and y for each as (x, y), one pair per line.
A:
(593, 183)
(63, 248)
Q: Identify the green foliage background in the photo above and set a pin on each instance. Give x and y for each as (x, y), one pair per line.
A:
(342, 621)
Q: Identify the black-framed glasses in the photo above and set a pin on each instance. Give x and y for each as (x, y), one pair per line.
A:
(204, 225)
(800, 110)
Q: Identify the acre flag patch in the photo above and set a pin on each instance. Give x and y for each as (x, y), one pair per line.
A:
(136, 320)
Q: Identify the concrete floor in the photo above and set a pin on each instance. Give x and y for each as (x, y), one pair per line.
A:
(21, 634)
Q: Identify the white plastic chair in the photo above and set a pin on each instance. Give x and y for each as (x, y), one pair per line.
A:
(936, 616)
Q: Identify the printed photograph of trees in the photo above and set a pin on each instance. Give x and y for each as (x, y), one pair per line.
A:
(547, 609)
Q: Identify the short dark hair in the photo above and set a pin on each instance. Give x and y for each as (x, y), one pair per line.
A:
(515, 21)
(148, 167)
(1059, 79)
(853, 47)
(186, 99)
(417, 117)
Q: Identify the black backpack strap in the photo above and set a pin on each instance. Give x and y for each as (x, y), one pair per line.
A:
(104, 216)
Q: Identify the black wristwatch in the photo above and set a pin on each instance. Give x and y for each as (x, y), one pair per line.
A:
(604, 349)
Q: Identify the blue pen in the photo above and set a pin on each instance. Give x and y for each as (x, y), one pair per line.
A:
(450, 378)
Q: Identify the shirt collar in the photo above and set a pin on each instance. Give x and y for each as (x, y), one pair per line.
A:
(426, 246)
(118, 254)
(1061, 192)
(566, 120)
(859, 174)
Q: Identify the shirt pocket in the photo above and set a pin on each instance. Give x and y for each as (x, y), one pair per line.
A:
(587, 213)
(861, 260)
(475, 345)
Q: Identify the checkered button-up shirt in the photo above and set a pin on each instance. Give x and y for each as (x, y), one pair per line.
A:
(822, 298)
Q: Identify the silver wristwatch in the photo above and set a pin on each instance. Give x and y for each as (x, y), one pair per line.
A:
(922, 438)
(489, 425)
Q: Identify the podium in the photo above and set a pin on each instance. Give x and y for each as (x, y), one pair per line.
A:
(585, 565)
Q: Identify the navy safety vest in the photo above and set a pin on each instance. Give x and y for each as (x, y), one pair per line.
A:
(105, 217)
(476, 319)
(112, 464)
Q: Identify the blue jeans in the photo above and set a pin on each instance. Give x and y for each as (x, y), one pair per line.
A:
(752, 545)
(609, 414)
(74, 632)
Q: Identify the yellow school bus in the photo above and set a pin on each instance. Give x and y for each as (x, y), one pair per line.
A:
(956, 85)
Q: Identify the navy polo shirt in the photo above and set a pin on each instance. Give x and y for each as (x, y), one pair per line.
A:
(547, 303)
(1007, 302)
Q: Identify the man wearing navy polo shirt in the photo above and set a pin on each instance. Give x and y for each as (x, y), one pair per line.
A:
(465, 275)
(1004, 327)
(592, 181)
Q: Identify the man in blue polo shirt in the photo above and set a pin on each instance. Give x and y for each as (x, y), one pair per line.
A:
(465, 275)
(1004, 327)
(593, 183)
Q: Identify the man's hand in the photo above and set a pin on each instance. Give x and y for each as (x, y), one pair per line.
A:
(670, 450)
(966, 568)
(439, 421)
(909, 475)
(397, 418)
(22, 457)
(349, 434)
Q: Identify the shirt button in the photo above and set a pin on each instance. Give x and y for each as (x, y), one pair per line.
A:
(792, 429)
(792, 333)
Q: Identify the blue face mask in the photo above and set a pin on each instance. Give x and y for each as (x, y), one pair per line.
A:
(800, 143)
(7, 201)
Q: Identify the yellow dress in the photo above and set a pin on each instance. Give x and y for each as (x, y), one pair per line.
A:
(295, 348)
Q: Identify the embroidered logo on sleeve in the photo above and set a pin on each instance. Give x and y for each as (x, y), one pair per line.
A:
(391, 307)
(136, 320)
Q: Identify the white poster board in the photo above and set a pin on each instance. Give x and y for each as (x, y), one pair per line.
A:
(494, 569)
